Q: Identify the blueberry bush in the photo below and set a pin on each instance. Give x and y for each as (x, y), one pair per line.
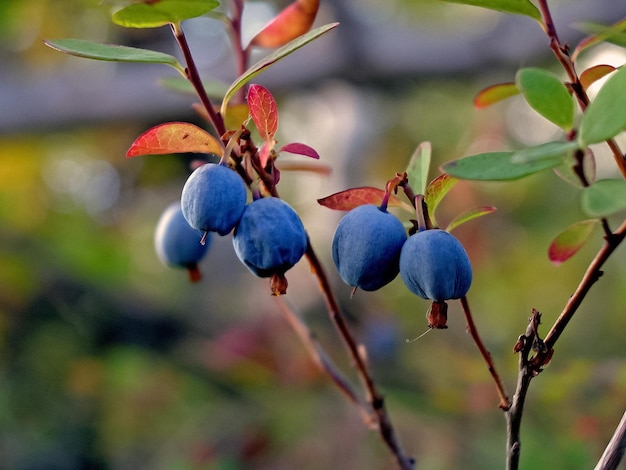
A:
(233, 191)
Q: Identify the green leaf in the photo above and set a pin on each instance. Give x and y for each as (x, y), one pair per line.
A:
(496, 166)
(615, 34)
(418, 167)
(110, 52)
(546, 151)
(495, 93)
(567, 243)
(604, 198)
(547, 95)
(162, 12)
(518, 7)
(273, 58)
(470, 215)
(566, 171)
(435, 192)
(605, 116)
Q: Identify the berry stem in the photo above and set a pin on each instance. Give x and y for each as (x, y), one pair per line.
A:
(505, 403)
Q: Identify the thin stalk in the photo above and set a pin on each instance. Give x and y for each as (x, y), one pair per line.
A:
(561, 52)
(592, 274)
(193, 76)
(374, 397)
(505, 403)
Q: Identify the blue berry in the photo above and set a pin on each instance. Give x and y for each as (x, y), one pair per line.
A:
(213, 198)
(269, 239)
(366, 247)
(435, 266)
(177, 244)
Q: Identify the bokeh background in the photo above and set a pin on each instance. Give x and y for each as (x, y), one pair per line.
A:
(110, 360)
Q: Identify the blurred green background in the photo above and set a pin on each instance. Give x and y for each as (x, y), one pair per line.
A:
(109, 360)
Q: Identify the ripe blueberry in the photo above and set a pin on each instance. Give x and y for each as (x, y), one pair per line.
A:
(435, 266)
(366, 247)
(269, 239)
(177, 244)
(213, 198)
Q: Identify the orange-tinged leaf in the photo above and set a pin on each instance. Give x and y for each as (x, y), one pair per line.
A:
(495, 93)
(174, 137)
(569, 241)
(595, 73)
(354, 197)
(264, 111)
(295, 20)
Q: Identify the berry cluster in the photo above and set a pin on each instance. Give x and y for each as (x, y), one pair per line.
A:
(269, 237)
(370, 247)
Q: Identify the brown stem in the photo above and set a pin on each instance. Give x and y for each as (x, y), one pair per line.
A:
(194, 78)
(614, 451)
(562, 54)
(471, 328)
(525, 344)
(317, 353)
(375, 399)
(593, 273)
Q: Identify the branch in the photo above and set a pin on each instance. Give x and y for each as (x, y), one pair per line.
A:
(593, 273)
(562, 54)
(318, 354)
(194, 78)
(505, 403)
(525, 344)
(615, 449)
(375, 399)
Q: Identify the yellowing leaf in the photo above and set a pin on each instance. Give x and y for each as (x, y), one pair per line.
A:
(595, 73)
(174, 137)
(495, 93)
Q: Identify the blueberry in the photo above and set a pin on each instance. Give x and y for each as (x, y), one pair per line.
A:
(269, 239)
(366, 247)
(177, 244)
(435, 266)
(213, 198)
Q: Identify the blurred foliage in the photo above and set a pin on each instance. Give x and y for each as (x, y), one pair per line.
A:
(110, 360)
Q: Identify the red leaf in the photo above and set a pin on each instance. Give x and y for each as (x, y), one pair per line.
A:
(174, 137)
(594, 73)
(569, 241)
(263, 111)
(295, 20)
(300, 149)
(494, 93)
(354, 197)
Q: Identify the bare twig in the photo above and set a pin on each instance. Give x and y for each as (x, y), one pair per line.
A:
(318, 354)
(525, 344)
(615, 449)
(374, 397)
(505, 403)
